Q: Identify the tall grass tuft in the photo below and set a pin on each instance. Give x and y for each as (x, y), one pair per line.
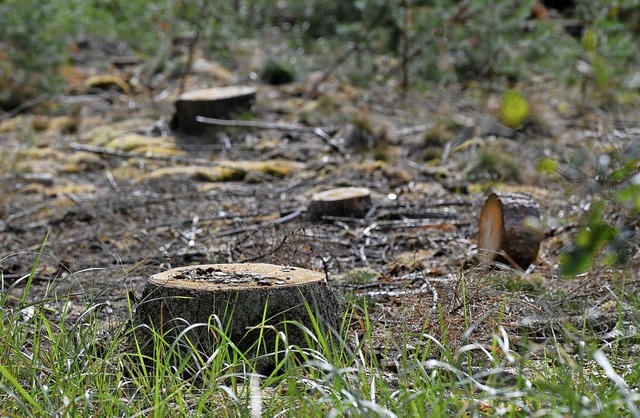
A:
(54, 363)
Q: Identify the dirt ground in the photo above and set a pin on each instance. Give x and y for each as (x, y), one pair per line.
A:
(120, 197)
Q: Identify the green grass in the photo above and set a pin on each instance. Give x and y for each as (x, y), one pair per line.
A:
(54, 365)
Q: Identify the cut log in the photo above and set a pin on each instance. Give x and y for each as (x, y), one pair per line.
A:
(346, 201)
(509, 229)
(244, 300)
(218, 102)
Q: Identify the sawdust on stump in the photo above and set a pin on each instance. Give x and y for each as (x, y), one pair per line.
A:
(509, 229)
(244, 300)
(345, 202)
(217, 102)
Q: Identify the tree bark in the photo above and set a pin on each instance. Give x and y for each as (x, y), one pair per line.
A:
(218, 102)
(243, 300)
(509, 229)
(347, 201)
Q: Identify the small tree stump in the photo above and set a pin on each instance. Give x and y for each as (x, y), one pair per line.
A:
(245, 300)
(346, 201)
(217, 102)
(509, 227)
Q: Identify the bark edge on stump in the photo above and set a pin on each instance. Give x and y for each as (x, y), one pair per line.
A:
(509, 222)
(216, 102)
(240, 296)
(344, 201)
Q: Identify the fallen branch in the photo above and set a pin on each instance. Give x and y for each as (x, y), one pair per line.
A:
(418, 129)
(245, 228)
(321, 131)
(262, 125)
(23, 106)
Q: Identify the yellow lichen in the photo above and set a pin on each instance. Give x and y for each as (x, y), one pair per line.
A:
(106, 82)
(80, 161)
(229, 170)
(146, 146)
(75, 189)
(131, 142)
(45, 153)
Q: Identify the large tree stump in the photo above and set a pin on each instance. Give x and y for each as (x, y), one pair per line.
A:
(346, 201)
(243, 300)
(509, 229)
(217, 102)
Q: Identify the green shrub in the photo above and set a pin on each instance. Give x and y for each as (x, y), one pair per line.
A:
(32, 46)
(610, 232)
(277, 72)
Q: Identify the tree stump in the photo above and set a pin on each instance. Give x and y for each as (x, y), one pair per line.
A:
(217, 102)
(243, 300)
(346, 201)
(509, 229)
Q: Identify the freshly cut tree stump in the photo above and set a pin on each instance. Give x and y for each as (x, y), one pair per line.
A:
(509, 229)
(217, 102)
(244, 300)
(346, 201)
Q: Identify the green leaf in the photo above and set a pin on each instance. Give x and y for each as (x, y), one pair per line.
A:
(588, 243)
(629, 196)
(514, 109)
(583, 239)
(602, 234)
(576, 261)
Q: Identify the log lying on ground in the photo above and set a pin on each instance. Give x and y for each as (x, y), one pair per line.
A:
(218, 102)
(245, 300)
(346, 201)
(509, 229)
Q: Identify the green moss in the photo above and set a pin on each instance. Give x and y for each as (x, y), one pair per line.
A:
(496, 165)
(275, 72)
(380, 154)
(514, 283)
(360, 276)
(441, 133)
(547, 165)
(431, 153)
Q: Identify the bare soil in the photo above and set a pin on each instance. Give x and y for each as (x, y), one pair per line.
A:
(120, 198)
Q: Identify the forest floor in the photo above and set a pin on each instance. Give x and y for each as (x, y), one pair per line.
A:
(119, 197)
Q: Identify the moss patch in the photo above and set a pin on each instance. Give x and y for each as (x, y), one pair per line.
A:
(229, 170)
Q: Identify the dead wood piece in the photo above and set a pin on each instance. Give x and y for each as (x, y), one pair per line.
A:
(263, 125)
(345, 201)
(217, 102)
(508, 227)
(23, 106)
(321, 132)
(411, 130)
(244, 300)
(541, 328)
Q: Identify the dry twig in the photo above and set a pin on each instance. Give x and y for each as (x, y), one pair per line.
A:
(321, 131)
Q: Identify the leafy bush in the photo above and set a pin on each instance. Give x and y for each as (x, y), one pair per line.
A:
(621, 201)
(31, 48)
(35, 36)
(444, 41)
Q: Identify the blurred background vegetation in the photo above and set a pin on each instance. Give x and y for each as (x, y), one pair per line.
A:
(409, 41)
